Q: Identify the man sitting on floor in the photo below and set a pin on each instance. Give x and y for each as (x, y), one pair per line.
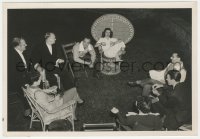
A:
(176, 104)
(142, 119)
(158, 77)
(81, 49)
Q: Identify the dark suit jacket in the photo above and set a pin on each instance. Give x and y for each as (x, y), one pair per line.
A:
(177, 105)
(16, 71)
(41, 55)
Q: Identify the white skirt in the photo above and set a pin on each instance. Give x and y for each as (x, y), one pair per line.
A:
(113, 50)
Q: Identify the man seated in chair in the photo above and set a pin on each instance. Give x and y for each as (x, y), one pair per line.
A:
(111, 47)
(158, 77)
(49, 98)
(81, 49)
(48, 57)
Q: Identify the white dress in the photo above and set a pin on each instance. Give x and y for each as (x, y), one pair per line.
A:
(111, 51)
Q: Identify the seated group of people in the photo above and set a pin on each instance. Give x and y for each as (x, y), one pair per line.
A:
(45, 64)
(47, 60)
(165, 102)
(165, 91)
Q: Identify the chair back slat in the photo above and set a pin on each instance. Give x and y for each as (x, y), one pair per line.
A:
(35, 106)
(68, 47)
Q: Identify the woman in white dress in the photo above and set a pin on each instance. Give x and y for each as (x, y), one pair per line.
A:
(111, 47)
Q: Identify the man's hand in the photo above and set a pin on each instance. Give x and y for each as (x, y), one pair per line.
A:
(156, 86)
(59, 61)
(40, 69)
(114, 110)
(154, 100)
(155, 91)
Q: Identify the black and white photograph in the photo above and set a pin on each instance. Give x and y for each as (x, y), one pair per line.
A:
(100, 68)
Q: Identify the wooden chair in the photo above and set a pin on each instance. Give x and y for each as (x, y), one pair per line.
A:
(67, 49)
(40, 114)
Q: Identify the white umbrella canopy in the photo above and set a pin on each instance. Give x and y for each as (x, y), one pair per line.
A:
(122, 28)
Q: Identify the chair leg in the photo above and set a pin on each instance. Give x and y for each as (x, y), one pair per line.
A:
(72, 122)
(71, 70)
(44, 127)
(31, 120)
(101, 66)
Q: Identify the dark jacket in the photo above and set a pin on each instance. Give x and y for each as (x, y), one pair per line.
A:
(17, 73)
(177, 105)
(40, 54)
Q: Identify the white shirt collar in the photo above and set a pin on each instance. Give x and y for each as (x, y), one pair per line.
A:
(18, 51)
(22, 56)
(49, 47)
(81, 47)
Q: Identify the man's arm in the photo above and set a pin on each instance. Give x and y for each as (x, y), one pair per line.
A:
(93, 54)
(76, 55)
(36, 57)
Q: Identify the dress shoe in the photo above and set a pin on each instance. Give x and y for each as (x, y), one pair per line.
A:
(80, 104)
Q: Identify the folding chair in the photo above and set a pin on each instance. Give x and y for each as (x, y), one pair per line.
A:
(67, 49)
(40, 114)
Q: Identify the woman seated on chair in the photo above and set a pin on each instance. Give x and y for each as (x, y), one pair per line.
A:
(50, 98)
(111, 47)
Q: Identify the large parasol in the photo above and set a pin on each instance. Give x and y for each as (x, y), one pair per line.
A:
(121, 27)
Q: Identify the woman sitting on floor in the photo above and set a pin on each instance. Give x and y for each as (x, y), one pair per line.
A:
(111, 47)
(50, 98)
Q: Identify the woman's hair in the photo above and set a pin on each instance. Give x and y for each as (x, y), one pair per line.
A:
(174, 74)
(34, 78)
(104, 32)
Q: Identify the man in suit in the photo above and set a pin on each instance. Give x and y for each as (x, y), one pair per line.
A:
(48, 57)
(176, 104)
(18, 70)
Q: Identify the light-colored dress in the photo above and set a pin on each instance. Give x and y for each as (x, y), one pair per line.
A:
(109, 50)
(51, 102)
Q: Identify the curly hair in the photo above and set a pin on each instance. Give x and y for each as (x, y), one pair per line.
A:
(104, 32)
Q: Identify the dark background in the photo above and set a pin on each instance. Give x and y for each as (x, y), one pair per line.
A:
(158, 34)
